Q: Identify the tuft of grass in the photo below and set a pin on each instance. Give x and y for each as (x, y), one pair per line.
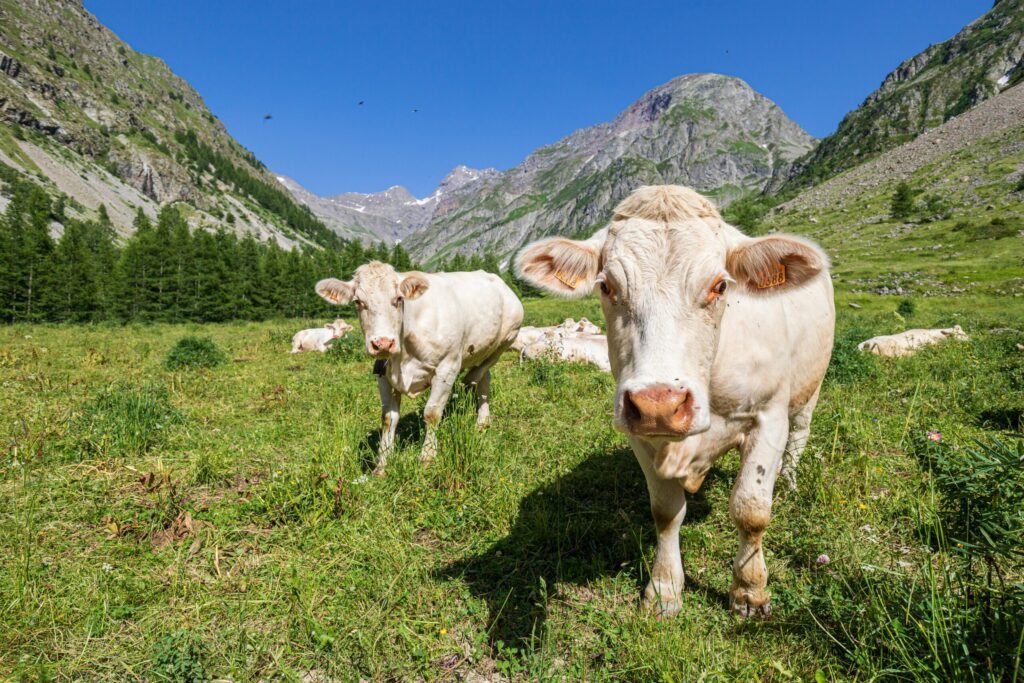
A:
(348, 349)
(194, 352)
(906, 308)
(124, 421)
(849, 364)
(178, 658)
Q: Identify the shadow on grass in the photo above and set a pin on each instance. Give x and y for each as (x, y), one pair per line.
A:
(590, 523)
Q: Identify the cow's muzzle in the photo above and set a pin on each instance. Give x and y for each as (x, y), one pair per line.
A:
(381, 347)
(657, 410)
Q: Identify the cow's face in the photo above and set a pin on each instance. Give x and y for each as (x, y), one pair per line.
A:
(666, 268)
(339, 328)
(379, 294)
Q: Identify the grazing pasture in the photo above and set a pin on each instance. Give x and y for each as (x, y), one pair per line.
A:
(194, 523)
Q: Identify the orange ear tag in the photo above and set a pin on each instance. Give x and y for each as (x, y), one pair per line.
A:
(773, 279)
(560, 276)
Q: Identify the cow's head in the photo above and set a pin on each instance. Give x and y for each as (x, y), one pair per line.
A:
(379, 293)
(339, 328)
(667, 267)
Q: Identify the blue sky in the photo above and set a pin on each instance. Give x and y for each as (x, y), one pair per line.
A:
(495, 80)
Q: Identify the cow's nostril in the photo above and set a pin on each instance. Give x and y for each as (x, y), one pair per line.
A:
(629, 410)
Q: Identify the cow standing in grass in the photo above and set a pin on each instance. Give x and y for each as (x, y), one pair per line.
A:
(425, 329)
(716, 341)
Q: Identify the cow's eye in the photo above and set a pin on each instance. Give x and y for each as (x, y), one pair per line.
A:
(397, 300)
(717, 289)
(358, 304)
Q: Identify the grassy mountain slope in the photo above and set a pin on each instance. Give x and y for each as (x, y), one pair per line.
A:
(926, 90)
(964, 236)
(103, 124)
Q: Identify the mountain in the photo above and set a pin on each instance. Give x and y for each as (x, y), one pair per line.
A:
(103, 124)
(390, 215)
(708, 131)
(923, 92)
(964, 236)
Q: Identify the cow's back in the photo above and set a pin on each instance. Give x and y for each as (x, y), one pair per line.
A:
(473, 314)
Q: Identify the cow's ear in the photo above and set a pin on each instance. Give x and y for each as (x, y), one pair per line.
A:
(775, 263)
(563, 266)
(413, 285)
(335, 291)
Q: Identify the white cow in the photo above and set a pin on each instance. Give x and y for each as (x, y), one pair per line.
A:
(909, 342)
(717, 341)
(319, 338)
(584, 348)
(425, 328)
(529, 335)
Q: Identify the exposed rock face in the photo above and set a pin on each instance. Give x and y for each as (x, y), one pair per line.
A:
(96, 109)
(711, 132)
(945, 80)
(989, 119)
(390, 215)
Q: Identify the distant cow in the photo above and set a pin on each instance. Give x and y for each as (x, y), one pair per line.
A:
(425, 328)
(319, 338)
(909, 342)
(529, 335)
(716, 341)
(586, 348)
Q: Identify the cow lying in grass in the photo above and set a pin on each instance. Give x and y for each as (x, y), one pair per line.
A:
(910, 342)
(319, 338)
(569, 328)
(583, 348)
(716, 341)
(427, 328)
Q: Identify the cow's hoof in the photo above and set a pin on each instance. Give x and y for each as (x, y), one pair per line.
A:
(749, 610)
(663, 607)
(482, 426)
(378, 471)
(426, 459)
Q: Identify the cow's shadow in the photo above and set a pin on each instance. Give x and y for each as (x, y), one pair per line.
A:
(592, 522)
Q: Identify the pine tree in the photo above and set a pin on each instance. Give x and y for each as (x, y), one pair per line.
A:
(902, 202)
(72, 291)
(28, 226)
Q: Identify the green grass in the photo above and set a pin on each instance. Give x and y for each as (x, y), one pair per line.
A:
(248, 541)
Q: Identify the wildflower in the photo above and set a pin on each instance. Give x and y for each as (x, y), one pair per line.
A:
(935, 436)
(443, 632)
(823, 559)
(862, 506)
(362, 479)
(107, 567)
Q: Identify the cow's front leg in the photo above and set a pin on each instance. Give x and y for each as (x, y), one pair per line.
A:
(663, 593)
(440, 391)
(750, 508)
(390, 407)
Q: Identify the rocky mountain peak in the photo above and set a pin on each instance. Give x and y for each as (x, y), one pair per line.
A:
(709, 131)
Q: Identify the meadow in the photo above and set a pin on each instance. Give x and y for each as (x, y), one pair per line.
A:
(220, 523)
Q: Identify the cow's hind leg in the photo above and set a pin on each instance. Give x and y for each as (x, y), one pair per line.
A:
(480, 379)
(750, 508)
(799, 431)
(440, 391)
(391, 403)
(663, 592)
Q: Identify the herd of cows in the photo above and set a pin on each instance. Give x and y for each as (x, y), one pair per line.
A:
(716, 341)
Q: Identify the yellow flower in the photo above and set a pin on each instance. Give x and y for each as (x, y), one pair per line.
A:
(443, 632)
(862, 506)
